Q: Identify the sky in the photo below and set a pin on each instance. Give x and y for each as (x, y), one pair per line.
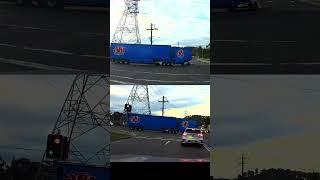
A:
(29, 107)
(185, 21)
(195, 99)
(272, 119)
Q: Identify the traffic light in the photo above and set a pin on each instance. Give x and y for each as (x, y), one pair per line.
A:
(127, 107)
(57, 147)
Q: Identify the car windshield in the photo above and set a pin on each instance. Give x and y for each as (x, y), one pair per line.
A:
(196, 131)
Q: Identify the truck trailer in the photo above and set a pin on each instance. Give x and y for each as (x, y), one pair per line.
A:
(62, 3)
(149, 54)
(159, 123)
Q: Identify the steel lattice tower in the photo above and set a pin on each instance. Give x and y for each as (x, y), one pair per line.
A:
(139, 99)
(127, 30)
(84, 118)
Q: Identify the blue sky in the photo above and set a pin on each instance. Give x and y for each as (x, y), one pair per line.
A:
(185, 21)
(273, 119)
(193, 99)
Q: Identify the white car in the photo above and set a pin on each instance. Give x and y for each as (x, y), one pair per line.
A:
(192, 136)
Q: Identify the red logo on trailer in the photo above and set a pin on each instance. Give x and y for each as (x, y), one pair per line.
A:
(180, 53)
(119, 50)
(185, 124)
(80, 176)
(135, 119)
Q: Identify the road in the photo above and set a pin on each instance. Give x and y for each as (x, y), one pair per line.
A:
(281, 37)
(148, 146)
(48, 40)
(196, 73)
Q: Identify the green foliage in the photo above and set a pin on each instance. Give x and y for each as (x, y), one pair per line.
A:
(201, 52)
(202, 120)
(118, 118)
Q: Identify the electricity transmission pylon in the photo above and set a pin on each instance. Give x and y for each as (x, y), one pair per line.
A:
(139, 99)
(84, 119)
(127, 30)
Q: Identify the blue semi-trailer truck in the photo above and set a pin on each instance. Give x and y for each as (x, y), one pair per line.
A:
(234, 4)
(149, 54)
(62, 3)
(159, 123)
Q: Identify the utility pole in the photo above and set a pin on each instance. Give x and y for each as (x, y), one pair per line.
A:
(152, 28)
(163, 101)
(185, 113)
(242, 165)
(178, 43)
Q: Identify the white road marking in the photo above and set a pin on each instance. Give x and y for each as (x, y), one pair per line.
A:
(157, 138)
(36, 65)
(49, 29)
(27, 27)
(167, 143)
(231, 40)
(311, 63)
(242, 64)
(7, 45)
(49, 50)
(94, 56)
(7, 2)
(164, 81)
(131, 159)
(245, 41)
(53, 51)
(207, 147)
(284, 41)
(170, 74)
(121, 82)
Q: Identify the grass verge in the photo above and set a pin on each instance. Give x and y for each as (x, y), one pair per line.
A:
(118, 136)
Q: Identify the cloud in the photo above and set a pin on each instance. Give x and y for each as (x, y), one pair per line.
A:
(186, 22)
(273, 118)
(298, 152)
(194, 99)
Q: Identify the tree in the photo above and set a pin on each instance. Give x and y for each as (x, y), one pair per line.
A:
(202, 120)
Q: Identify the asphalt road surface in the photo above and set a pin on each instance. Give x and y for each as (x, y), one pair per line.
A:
(281, 37)
(196, 73)
(148, 146)
(48, 40)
